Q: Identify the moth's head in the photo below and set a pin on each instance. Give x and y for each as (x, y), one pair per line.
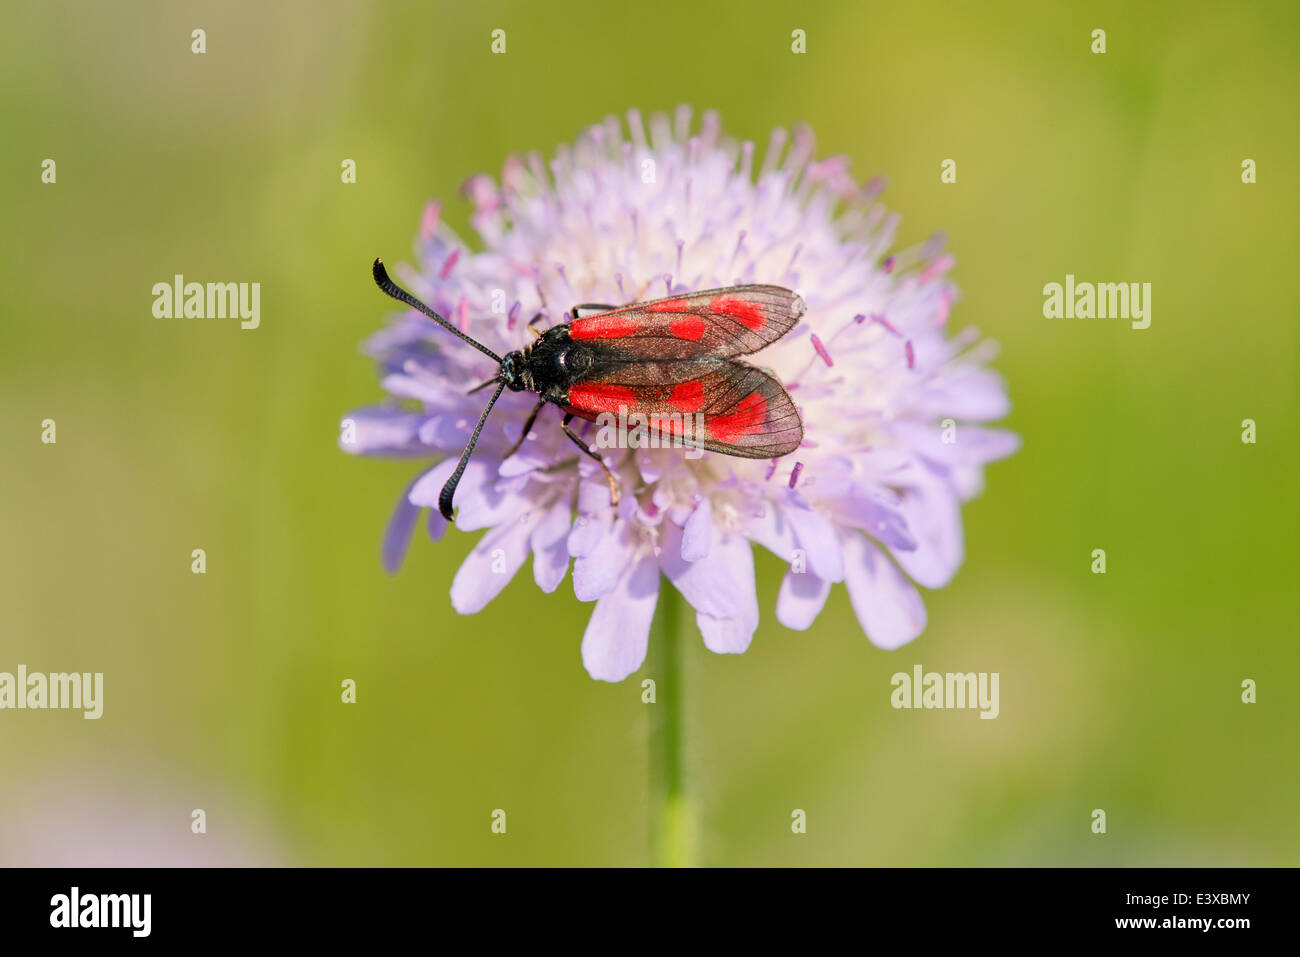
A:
(513, 367)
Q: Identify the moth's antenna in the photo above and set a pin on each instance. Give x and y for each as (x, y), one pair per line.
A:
(449, 490)
(401, 295)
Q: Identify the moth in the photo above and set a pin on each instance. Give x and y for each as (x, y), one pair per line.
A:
(664, 360)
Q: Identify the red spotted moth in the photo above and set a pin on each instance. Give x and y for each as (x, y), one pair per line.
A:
(664, 359)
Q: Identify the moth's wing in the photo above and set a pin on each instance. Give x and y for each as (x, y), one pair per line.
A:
(716, 323)
(720, 405)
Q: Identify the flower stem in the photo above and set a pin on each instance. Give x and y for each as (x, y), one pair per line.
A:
(672, 821)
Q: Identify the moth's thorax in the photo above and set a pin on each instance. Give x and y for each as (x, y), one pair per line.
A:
(553, 362)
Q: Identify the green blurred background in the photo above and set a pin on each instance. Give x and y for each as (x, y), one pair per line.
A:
(1119, 692)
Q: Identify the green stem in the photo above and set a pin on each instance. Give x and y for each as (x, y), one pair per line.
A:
(672, 821)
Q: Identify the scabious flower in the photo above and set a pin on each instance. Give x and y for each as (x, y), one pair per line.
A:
(890, 401)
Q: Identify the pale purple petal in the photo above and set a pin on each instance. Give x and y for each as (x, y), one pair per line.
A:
(969, 393)
(425, 490)
(732, 635)
(382, 432)
(697, 534)
(550, 546)
(614, 644)
(933, 512)
(886, 603)
(971, 445)
(771, 530)
(397, 537)
(596, 571)
(853, 503)
(801, 599)
(707, 585)
(816, 536)
(477, 502)
(490, 566)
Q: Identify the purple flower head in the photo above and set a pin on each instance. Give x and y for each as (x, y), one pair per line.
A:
(891, 403)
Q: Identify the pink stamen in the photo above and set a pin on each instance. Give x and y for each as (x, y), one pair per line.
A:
(794, 473)
(513, 315)
(945, 305)
(821, 350)
(771, 470)
(937, 268)
(911, 355)
(888, 264)
(462, 314)
(447, 266)
(429, 221)
(889, 326)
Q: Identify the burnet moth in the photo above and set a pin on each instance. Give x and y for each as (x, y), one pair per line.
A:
(667, 360)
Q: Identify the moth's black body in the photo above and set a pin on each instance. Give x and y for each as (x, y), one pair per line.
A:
(551, 364)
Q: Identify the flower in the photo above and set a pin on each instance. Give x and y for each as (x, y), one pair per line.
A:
(891, 403)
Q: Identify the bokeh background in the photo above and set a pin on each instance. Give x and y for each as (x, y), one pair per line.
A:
(1119, 692)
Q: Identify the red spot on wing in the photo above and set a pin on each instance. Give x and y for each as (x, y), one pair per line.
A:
(597, 397)
(687, 397)
(670, 305)
(606, 326)
(751, 314)
(671, 426)
(687, 327)
(746, 420)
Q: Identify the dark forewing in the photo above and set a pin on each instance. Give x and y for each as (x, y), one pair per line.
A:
(716, 323)
(743, 410)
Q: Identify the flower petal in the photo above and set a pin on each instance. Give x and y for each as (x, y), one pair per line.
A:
(614, 644)
(550, 546)
(732, 635)
(382, 431)
(397, 536)
(698, 532)
(816, 536)
(801, 599)
(934, 515)
(771, 530)
(887, 605)
(596, 571)
(707, 585)
(490, 566)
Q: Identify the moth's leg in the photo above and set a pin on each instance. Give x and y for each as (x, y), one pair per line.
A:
(594, 306)
(528, 427)
(577, 440)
